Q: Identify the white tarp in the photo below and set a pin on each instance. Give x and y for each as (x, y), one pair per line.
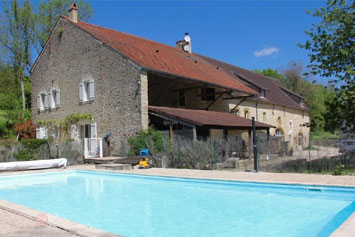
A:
(34, 164)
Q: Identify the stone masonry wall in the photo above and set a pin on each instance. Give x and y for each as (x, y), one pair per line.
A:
(73, 56)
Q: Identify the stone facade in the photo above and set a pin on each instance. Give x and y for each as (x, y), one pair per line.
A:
(72, 56)
(286, 119)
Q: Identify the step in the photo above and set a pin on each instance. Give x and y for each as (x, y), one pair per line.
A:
(114, 166)
(103, 160)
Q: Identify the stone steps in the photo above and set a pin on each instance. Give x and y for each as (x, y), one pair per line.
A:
(114, 166)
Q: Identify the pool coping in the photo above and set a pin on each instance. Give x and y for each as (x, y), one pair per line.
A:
(43, 218)
(346, 229)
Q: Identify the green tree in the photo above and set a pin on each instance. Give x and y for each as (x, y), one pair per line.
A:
(272, 73)
(49, 12)
(331, 51)
(17, 35)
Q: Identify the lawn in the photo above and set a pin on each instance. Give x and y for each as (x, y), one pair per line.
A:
(319, 135)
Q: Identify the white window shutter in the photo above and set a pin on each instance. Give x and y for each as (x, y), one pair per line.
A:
(45, 133)
(74, 132)
(50, 104)
(57, 98)
(46, 101)
(39, 102)
(93, 130)
(38, 133)
(81, 94)
(91, 90)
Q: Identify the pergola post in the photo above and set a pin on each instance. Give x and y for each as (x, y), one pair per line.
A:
(194, 133)
(250, 142)
(254, 146)
(268, 143)
(171, 132)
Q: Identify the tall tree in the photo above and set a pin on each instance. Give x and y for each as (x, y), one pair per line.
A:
(17, 35)
(332, 53)
(49, 12)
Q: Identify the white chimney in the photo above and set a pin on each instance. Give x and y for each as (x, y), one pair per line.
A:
(187, 46)
(73, 12)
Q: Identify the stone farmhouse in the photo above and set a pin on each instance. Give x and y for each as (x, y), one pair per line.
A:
(125, 83)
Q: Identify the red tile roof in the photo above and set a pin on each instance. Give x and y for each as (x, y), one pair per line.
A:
(155, 56)
(208, 118)
(275, 92)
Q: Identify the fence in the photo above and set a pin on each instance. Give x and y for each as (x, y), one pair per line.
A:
(235, 153)
(71, 150)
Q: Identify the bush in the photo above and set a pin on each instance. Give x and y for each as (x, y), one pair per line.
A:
(339, 169)
(30, 149)
(33, 144)
(25, 129)
(25, 155)
(150, 137)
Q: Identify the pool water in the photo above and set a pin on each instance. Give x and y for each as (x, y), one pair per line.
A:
(135, 205)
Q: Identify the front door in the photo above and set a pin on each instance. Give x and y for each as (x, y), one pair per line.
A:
(300, 142)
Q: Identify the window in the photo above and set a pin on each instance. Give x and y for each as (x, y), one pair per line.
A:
(236, 112)
(86, 91)
(41, 133)
(264, 117)
(42, 101)
(262, 93)
(181, 97)
(207, 94)
(246, 114)
(278, 133)
(50, 100)
(54, 99)
(291, 125)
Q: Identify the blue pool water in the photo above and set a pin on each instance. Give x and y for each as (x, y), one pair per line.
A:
(133, 205)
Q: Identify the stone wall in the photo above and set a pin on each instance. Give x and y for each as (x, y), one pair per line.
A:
(276, 115)
(73, 56)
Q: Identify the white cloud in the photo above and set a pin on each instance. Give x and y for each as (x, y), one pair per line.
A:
(266, 52)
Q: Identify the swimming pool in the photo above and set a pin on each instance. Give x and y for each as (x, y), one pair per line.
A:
(136, 205)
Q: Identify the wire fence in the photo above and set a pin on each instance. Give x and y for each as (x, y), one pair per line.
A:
(216, 153)
(236, 153)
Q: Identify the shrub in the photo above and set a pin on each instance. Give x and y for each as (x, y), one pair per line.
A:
(150, 137)
(339, 169)
(25, 129)
(25, 155)
(30, 149)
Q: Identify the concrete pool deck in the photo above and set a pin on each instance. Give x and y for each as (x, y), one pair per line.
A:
(53, 224)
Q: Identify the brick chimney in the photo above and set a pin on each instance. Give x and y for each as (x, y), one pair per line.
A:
(73, 12)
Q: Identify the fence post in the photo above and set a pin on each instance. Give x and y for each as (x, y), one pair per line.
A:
(215, 150)
(178, 154)
(254, 145)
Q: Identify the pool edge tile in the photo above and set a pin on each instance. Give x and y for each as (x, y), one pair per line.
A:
(54, 221)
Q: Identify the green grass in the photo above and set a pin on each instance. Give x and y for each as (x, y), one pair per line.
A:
(319, 135)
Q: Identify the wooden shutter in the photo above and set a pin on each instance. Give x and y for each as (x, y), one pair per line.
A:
(91, 90)
(38, 133)
(74, 132)
(50, 99)
(46, 101)
(93, 130)
(81, 94)
(57, 98)
(39, 102)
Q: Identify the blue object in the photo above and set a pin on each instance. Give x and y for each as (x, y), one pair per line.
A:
(144, 152)
(172, 207)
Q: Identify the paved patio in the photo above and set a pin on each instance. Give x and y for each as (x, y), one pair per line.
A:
(16, 220)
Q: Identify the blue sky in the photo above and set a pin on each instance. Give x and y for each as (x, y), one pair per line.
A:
(254, 34)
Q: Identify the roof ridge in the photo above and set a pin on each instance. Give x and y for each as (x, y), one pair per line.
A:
(129, 34)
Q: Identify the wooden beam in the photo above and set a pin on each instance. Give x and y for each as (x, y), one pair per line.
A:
(239, 97)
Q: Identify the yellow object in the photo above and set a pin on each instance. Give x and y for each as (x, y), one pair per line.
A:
(143, 163)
